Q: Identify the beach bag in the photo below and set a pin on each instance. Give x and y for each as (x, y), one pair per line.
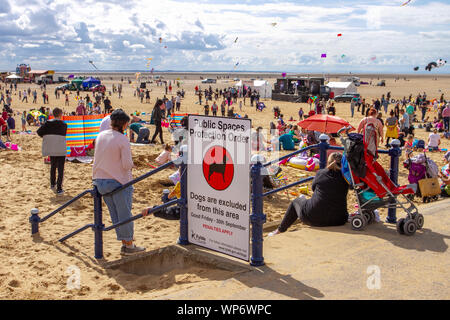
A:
(78, 151)
(370, 139)
(432, 169)
(429, 187)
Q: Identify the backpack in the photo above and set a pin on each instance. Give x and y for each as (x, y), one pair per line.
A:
(370, 139)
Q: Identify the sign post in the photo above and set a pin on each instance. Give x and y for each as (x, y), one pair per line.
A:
(218, 192)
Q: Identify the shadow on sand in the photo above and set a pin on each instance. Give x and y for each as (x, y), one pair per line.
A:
(163, 267)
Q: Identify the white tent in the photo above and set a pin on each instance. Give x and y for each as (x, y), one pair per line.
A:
(262, 86)
(342, 87)
(13, 76)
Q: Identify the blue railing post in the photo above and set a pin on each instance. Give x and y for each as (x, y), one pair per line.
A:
(257, 217)
(182, 203)
(183, 240)
(34, 220)
(323, 147)
(98, 223)
(394, 153)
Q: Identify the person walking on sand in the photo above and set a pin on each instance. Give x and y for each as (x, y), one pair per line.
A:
(54, 145)
(111, 170)
(158, 116)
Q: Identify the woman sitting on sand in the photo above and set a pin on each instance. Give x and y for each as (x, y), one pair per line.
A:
(328, 204)
(111, 170)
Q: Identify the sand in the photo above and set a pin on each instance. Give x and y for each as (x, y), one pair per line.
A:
(37, 268)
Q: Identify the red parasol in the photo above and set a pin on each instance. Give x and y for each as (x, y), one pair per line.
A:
(324, 123)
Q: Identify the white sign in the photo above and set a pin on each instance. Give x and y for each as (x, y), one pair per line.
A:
(218, 174)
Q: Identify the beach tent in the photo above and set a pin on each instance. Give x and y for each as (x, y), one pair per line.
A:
(78, 82)
(90, 82)
(262, 86)
(13, 77)
(340, 88)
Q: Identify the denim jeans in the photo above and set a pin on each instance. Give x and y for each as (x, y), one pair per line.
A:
(446, 123)
(143, 136)
(119, 206)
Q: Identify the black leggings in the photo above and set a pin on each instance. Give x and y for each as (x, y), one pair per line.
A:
(57, 163)
(158, 130)
(289, 218)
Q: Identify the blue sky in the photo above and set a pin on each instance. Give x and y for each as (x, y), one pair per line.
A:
(377, 36)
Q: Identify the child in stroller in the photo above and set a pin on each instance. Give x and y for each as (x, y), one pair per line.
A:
(373, 188)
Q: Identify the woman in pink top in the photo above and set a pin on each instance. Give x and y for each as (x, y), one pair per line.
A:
(372, 119)
(112, 169)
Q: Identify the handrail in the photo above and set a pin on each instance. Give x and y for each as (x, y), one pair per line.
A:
(70, 235)
(138, 216)
(138, 179)
(65, 205)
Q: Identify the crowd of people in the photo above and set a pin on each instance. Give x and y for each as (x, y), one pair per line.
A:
(113, 160)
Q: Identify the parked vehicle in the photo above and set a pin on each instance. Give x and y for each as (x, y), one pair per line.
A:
(67, 86)
(98, 88)
(209, 81)
(382, 83)
(346, 97)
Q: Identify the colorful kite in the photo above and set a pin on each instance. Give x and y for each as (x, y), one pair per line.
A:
(343, 56)
(236, 39)
(274, 24)
(373, 58)
(439, 63)
(404, 4)
(324, 55)
(416, 68)
(284, 74)
(339, 35)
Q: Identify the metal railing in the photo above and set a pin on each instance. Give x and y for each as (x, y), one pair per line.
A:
(257, 217)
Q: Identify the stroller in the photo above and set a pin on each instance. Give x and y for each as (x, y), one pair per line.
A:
(373, 188)
(423, 172)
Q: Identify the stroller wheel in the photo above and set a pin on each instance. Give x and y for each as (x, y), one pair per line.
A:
(410, 227)
(436, 198)
(358, 222)
(420, 220)
(368, 216)
(400, 224)
(425, 199)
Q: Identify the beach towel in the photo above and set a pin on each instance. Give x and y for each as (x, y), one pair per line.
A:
(84, 159)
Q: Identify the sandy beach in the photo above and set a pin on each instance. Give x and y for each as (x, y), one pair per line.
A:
(37, 267)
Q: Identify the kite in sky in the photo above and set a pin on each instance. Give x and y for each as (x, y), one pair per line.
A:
(339, 35)
(236, 39)
(404, 4)
(439, 63)
(273, 24)
(324, 55)
(343, 56)
(416, 68)
(160, 40)
(92, 62)
(373, 58)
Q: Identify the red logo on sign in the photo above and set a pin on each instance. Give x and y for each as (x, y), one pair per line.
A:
(218, 168)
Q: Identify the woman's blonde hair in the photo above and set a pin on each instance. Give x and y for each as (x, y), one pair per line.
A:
(334, 161)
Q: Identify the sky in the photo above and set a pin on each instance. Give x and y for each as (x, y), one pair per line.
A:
(225, 35)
